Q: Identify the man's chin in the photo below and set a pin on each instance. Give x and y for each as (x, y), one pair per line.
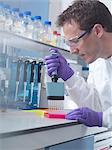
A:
(88, 61)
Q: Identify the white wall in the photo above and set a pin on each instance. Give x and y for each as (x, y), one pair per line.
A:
(54, 11)
(108, 3)
(66, 3)
(55, 8)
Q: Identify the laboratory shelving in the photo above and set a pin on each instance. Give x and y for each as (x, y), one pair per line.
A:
(21, 42)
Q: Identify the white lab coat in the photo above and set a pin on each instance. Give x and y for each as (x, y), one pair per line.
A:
(96, 93)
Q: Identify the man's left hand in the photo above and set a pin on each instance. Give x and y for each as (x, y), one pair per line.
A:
(86, 116)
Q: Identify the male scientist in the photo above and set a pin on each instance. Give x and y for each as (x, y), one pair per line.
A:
(87, 26)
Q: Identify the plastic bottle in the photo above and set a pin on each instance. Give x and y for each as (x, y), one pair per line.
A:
(47, 34)
(26, 20)
(6, 9)
(2, 16)
(27, 17)
(8, 18)
(30, 28)
(58, 40)
(54, 38)
(19, 24)
(15, 18)
(20, 30)
(38, 28)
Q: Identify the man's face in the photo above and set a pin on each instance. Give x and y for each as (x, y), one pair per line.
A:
(87, 47)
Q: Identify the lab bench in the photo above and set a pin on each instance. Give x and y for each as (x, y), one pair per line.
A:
(21, 130)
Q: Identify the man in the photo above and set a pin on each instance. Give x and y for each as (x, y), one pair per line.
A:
(87, 26)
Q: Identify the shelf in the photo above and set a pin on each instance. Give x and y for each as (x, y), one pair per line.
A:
(24, 43)
(27, 43)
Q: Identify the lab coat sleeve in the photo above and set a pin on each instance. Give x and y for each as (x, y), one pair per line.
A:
(83, 93)
(107, 118)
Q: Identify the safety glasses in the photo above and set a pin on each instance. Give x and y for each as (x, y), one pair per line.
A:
(75, 40)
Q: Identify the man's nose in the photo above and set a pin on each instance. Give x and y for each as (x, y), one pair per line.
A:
(74, 50)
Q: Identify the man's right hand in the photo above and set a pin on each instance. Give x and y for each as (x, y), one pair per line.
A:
(59, 63)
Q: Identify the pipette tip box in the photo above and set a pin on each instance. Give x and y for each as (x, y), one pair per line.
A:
(55, 114)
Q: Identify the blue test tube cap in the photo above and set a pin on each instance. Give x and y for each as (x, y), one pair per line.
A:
(15, 9)
(37, 17)
(27, 13)
(47, 22)
(21, 15)
(32, 18)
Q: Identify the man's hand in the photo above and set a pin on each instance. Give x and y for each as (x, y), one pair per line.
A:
(59, 63)
(86, 116)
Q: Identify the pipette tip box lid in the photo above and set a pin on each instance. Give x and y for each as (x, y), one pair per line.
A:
(39, 112)
(55, 114)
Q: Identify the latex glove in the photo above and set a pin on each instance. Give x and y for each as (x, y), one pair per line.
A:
(59, 63)
(86, 116)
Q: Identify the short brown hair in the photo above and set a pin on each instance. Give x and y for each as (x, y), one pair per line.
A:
(87, 13)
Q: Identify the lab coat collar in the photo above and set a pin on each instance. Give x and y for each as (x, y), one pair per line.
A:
(110, 58)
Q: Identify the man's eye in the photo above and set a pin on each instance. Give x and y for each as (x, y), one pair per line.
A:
(75, 41)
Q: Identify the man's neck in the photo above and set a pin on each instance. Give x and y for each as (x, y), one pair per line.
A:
(107, 45)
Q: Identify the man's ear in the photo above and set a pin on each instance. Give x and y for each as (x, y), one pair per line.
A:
(98, 30)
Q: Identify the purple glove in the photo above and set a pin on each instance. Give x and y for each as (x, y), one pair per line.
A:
(86, 116)
(59, 63)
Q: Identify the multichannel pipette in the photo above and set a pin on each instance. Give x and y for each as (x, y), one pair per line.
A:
(39, 81)
(55, 92)
(17, 77)
(32, 80)
(26, 63)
